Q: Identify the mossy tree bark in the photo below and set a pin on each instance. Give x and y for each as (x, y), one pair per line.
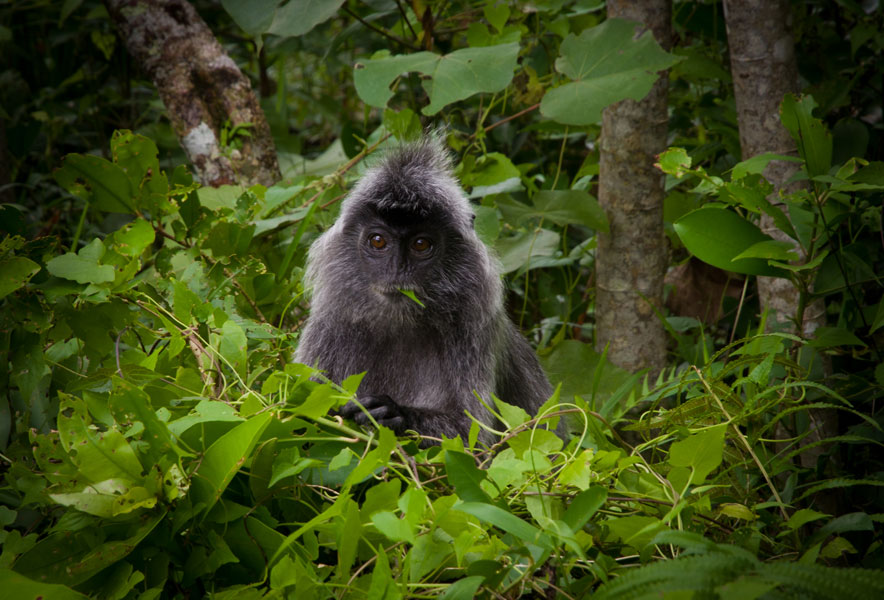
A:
(632, 258)
(202, 88)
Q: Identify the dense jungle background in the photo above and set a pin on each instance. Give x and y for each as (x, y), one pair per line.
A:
(686, 201)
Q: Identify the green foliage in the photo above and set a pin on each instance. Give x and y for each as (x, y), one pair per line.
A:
(158, 442)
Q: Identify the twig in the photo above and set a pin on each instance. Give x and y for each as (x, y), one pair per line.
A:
(380, 30)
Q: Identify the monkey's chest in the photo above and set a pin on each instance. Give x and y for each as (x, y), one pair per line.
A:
(414, 370)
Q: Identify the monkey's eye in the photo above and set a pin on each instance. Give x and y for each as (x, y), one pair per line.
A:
(421, 244)
(377, 241)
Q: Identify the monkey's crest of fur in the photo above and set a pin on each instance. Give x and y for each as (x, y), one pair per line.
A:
(415, 180)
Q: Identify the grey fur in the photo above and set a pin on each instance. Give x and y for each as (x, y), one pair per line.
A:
(423, 363)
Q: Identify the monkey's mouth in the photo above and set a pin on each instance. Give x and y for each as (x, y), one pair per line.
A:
(395, 293)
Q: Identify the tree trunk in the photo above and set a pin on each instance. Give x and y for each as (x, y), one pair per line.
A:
(202, 88)
(764, 70)
(631, 259)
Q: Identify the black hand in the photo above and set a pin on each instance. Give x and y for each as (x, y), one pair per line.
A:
(382, 408)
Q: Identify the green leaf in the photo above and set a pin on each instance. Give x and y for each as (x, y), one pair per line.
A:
(463, 589)
(506, 521)
(223, 460)
(674, 161)
(233, 346)
(757, 164)
(636, 531)
(82, 267)
(562, 207)
(452, 77)
(517, 250)
(584, 506)
(814, 140)
(770, 249)
(878, 322)
(831, 337)
(134, 238)
(383, 586)
(100, 455)
(606, 65)
(72, 559)
(105, 185)
(255, 16)
(717, 236)
(15, 272)
(19, 586)
(465, 476)
(701, 452)
(413, 297)
(398, 530)
(803, 517)
(297, 17)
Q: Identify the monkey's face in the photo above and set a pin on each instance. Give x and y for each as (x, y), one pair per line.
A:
(399, 252)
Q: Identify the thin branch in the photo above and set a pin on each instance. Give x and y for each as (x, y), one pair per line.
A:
(380, 30)
(509, 118)
(405, 18)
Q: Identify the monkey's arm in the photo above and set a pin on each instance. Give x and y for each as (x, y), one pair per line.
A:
(400, 419)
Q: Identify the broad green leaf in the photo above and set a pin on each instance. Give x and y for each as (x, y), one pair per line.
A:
(737, 511)
(465, 476)
(802, 517)
(132, 405)
(717, 236)
(383, 586)
(757, 164)
(82, 267)
(133, 238)
(206, 411)
(224, 458)
(72, 558)
(674, 161)
(233, 346)
(137, 156)
(770, 249)
(584, 506)
(426, 556)
(506, 521)
(517, 250)
(562, 207)
(463, 589)
(15, 272)
(606, 64)
(506, 469)
(831, 337)
(297, 17)
(700, 452)
(255, 16)
(19, 586)
(452, 77)
(99, 455)
(105, 185)
(577, 473)
(96, 499)
(814, 140)
(636, 531)
(398, 530)
(377, 458)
